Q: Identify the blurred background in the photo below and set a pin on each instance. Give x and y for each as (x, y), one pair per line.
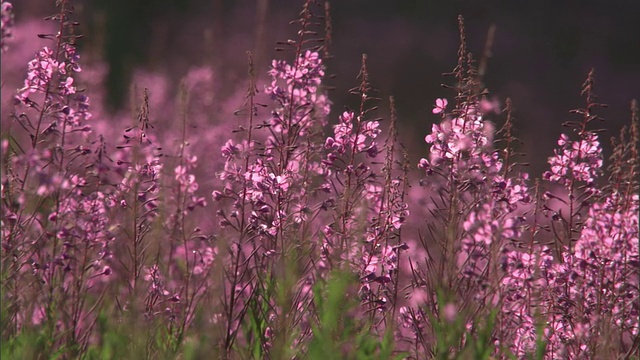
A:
(541, 53)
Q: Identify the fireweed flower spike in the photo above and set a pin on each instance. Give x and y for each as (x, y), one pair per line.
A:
(475, 198)
(270, 177)
(576, 165)
(576, 160)
(65, 245)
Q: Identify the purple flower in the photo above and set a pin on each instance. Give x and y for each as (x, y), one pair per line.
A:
(579, 160)
(441, 106)
(229, 150)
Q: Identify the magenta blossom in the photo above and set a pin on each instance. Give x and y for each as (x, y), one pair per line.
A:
(441, 106)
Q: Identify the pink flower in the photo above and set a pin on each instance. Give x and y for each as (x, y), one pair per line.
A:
(450, 312)
(441, 105)
(579, 160)
(229, 150)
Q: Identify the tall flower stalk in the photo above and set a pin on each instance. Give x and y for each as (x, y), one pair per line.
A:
(55, 229)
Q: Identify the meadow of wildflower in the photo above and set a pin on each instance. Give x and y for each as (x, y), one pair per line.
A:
(282, 232)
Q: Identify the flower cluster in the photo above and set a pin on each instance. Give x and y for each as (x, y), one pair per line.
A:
(188, 184)
(45, 67)
(485, 229)
(605, 255)
(295, 88)
(521, 289)
(591, 287)
(264, 174)
(50, 93)
(261, 187)
(461, 146)
(382, 247)
(576, 160)
(353, 136)
(85, 217)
